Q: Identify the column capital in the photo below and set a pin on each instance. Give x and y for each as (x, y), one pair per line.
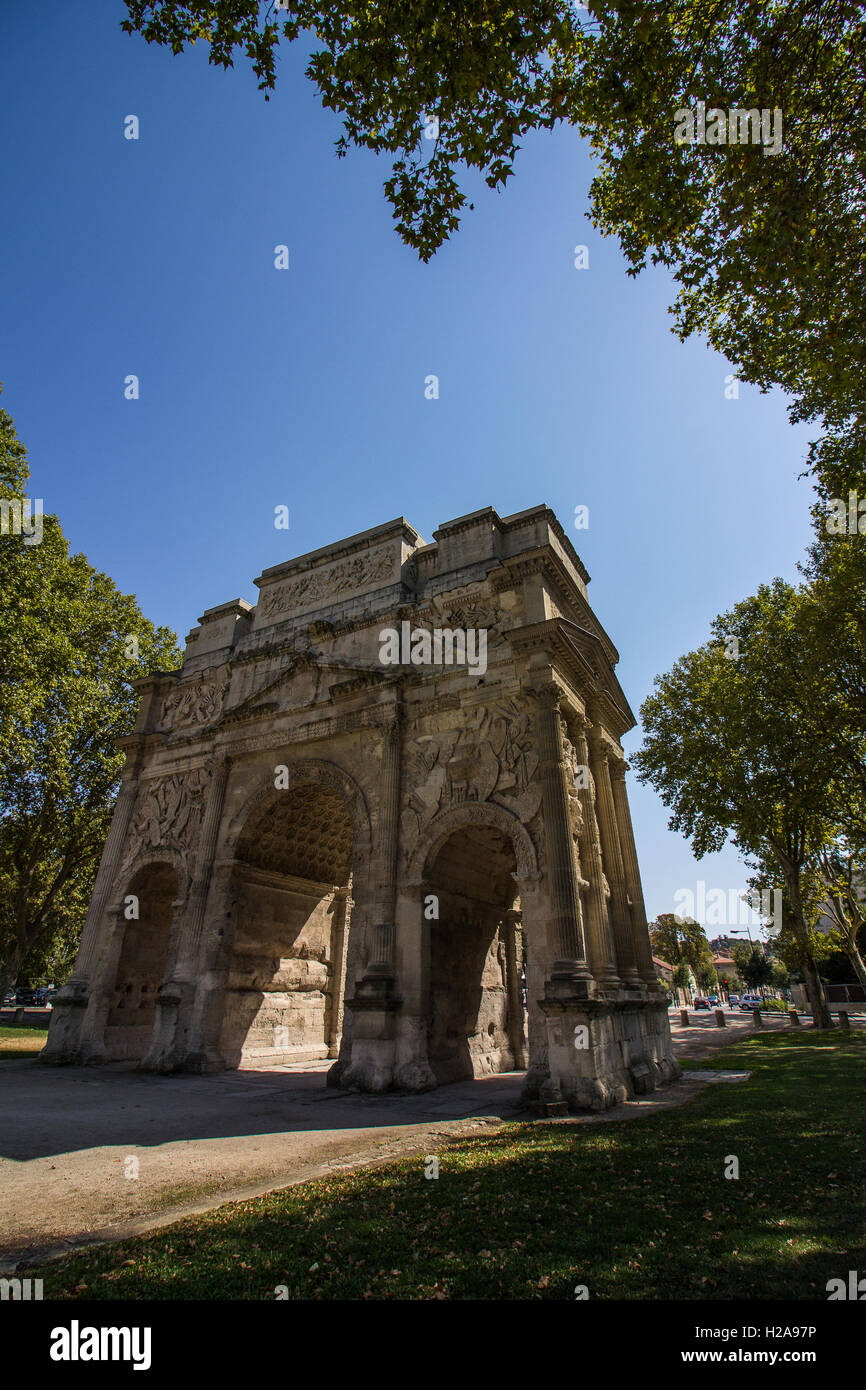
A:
(388, 720)
(602, 750)
(549, 694)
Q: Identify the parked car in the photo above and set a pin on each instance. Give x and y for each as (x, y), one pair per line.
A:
(733, 999)
(44, 996)
(701, 1004)
(714, 1000)
(28, 997)
(9, 997)
(750, 1002)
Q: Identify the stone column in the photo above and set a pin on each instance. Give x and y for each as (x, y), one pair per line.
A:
(384, 939)
(376, 1002)
(640, 932)
(612, 858)
(602, 953)
(564, 891)
(343, 905)
(201, 1034)
(513, 961)
(187, 953)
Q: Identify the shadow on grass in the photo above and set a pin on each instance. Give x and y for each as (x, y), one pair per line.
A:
(638, 1211)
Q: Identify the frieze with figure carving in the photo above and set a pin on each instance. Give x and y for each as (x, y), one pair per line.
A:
(491, 757)
(326, 583)
(168, 813)
(193, 704)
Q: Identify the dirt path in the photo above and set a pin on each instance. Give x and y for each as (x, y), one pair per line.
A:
(97, 1154)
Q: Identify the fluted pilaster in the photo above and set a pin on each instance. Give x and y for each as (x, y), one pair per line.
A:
(640, 931)
(561, 866)
(613, 862)
(384, 941)
(188, 948)
(602, 952)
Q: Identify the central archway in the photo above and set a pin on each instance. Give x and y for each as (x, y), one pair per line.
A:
(286, 974)
(476, 1013)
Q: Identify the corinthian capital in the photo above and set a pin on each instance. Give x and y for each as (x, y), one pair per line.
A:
(549, 695)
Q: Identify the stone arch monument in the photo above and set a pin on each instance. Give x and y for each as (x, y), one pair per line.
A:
(382, 817)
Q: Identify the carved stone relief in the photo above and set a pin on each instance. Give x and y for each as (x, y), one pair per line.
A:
(489, 758)
(328, 582)
(168, 813)
(193, 703)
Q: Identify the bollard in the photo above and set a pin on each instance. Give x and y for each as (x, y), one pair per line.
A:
(756, 1018)
(844, 1020)
(794, 1017)
(684, 1018)
(720, 1018)
(18, 1018)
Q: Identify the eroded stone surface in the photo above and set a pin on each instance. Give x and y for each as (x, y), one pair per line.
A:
(420, 865)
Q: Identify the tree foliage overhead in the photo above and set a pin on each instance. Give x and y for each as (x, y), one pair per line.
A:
(487, 72)
(65, 697)
(768, 250)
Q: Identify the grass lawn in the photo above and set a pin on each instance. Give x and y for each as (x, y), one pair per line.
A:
(633, 1210)
(21, 1042)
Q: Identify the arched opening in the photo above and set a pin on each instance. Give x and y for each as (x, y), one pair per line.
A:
(477, 1019)
(141, 965)
(286, 979)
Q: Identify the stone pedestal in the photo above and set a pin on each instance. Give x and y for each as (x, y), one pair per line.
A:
(374, 1015)
(165, 1052)
(604, 1051)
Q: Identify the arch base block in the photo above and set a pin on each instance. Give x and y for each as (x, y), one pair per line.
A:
(602, 1052)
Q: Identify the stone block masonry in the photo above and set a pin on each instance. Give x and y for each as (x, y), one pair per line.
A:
(421, 868)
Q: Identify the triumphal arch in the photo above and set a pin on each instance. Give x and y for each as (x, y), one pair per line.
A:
(381, 817)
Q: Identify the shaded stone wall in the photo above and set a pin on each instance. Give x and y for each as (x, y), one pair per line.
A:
(280, 977)
(141, 966)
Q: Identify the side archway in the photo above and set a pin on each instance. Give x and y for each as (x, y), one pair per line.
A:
(293, 853)
(471, 865)
(148, 900)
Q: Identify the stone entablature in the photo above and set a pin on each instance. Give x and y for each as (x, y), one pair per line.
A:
(287, 787)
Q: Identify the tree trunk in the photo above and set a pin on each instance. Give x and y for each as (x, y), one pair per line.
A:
(811, 979)
(856, 960)
(815, 991)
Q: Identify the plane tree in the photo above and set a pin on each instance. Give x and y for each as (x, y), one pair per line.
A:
(70, 646)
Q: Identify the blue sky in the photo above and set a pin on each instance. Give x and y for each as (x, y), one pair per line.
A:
(305, 387)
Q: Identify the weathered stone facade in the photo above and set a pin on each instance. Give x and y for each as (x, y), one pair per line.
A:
(423, 871)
